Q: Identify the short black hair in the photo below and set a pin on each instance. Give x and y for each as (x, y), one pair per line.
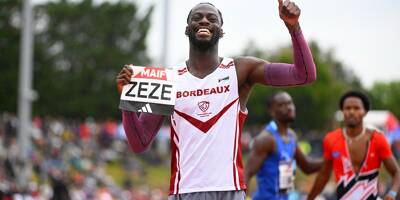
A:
(208, 3)
(354, 93)
(271, 98)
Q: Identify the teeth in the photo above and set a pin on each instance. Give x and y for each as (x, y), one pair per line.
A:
(203, 30)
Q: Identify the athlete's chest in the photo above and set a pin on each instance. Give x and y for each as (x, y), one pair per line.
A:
(358, 152)
(210, 93)
(217, 82)
(355, 157)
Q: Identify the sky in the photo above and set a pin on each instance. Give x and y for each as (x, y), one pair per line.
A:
(363, 34)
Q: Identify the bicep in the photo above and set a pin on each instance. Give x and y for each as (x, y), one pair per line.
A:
(250, 70)
(391, 165)
(258, 154)
(326, 168)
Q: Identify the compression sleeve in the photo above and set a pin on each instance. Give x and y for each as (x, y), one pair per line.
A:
(141, 130)
(302, 72)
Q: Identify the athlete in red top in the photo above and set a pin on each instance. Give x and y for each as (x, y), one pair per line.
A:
(355, 153)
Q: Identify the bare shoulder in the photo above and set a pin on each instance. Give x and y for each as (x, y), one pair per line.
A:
(373, 130)
(248, 61)
(370, 131)
(264, 141)
(249, 69)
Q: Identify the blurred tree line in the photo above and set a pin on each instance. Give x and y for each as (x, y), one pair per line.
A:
(79, 49)
(316, 104)
(81, 46)
(386, 96)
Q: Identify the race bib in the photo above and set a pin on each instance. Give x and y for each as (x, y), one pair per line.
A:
(286, 176)
(151, 90)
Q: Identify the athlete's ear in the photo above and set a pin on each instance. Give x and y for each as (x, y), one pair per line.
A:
(187, 31)
(272, 115)
(221, 33)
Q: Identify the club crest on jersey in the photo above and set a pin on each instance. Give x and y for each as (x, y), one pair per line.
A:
(204, 105)
(336, 154)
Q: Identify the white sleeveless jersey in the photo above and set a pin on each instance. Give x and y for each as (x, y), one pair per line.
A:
(205, 132)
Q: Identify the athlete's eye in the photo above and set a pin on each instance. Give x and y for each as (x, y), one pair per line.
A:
(213, 18)
(196, 17)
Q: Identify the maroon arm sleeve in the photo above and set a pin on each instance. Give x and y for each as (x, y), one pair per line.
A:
(302, 72)
(141, 130)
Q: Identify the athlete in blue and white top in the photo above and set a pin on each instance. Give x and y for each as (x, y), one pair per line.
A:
(275, 152)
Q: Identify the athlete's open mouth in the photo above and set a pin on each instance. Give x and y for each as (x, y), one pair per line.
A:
(203, 32)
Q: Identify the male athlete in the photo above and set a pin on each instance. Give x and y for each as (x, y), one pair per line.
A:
(274, 154)
(355, 154)
(210, 107)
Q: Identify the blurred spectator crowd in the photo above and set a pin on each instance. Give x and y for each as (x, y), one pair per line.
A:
(91, 160)
(69, 158)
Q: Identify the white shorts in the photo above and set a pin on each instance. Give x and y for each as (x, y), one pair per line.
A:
(216, 195)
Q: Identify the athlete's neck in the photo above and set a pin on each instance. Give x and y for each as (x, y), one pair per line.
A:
(354, 131)
(282, 128)
(202, 63)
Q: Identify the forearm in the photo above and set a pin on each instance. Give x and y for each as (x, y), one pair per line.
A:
(396, 182)
(392, 167)
(248, 174)
(252, 166)
(302, 72)
(313, 165)
(140, 131)
(317, 189)
(318, 186)
(320, 181)
(254, 162)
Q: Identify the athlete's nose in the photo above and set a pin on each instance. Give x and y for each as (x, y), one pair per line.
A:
(204, 21)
